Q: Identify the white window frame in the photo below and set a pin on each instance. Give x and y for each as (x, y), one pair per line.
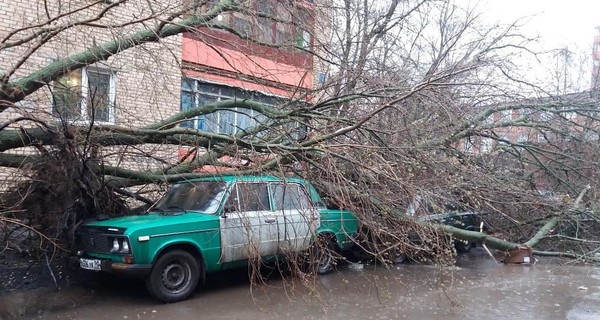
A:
(469, 146)
(112, 95)
(486, 145)
(570, 115)
(541, 138)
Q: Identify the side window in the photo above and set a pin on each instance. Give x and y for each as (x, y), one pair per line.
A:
(246, 197)
(289, 196)
(232, 204)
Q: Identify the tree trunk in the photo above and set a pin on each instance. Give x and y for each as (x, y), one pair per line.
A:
(479, 237)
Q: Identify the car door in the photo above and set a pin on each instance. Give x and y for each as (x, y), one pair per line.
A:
(248, 225)
(297, 218)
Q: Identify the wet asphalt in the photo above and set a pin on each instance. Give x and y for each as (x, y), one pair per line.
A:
(477, 287)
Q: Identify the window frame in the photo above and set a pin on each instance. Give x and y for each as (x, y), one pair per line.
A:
(223, 92)
(302, 193)
(486, 145)
(292, 32)
(233, 194)
(84, 96)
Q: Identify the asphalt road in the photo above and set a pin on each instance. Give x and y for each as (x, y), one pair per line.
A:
(476, 288)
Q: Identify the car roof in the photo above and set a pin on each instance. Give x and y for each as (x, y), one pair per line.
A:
(314, 195)
(246, 178)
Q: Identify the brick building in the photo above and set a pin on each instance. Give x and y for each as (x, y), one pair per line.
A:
(527, 122)
(268, 66)
(577, 113)
(150, 82)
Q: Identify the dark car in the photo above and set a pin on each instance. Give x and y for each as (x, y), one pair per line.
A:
(444, 208)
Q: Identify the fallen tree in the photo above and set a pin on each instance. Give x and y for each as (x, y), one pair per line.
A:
(389, 123)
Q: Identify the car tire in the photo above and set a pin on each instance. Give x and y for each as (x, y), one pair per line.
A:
(327, 259)
(321, 256)
(174, 276)
(396, 256)
(462, 247)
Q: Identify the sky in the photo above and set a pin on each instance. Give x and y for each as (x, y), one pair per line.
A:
(558, 24)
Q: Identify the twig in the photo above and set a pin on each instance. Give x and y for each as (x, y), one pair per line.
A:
(565, 255)
(551, 223)
(483, 244)
(42, 236)
(51, 272)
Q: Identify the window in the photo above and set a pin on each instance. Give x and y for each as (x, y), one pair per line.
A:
(527, 113)
(195, 196)
(591, 134)
(248, 197)
(195, 93)
(274, 23)
(301, 21)
(570, 115)
(505, 115)
(266, 26)
(289, 196)
(523, 137)
(541, 137)
(242, 26)
(469, 145)
(486, 145)
(85, 94)
(546, 116)
(303, 39)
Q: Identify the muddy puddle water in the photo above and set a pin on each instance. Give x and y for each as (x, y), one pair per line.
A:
(476, 288)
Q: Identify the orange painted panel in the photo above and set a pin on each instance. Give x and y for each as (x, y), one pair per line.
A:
(229, 60)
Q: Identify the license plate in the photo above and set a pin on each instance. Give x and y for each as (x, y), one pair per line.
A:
(90, 264)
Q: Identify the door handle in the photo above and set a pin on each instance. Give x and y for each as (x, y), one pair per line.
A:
(270, 220)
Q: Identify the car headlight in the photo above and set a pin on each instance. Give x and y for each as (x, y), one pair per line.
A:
(119, 245)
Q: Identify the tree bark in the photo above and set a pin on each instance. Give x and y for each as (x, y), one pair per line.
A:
(479, 237)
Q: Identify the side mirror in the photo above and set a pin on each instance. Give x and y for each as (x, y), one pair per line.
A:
(229, 208)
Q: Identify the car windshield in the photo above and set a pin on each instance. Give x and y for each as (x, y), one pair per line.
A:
(204, 196)
(437, 202)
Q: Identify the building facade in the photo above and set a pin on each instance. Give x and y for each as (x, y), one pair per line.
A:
(248, 56)
(242, 56)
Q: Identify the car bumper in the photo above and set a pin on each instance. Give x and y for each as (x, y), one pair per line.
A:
(106, 265)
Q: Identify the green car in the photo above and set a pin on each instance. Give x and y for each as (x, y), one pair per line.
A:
(206, 225)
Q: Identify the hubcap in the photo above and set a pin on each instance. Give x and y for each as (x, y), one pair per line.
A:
(398, 256)
(324, 261)
(175, 276)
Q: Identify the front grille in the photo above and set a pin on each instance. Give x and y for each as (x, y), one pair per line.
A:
(95, 241)
(98, 239)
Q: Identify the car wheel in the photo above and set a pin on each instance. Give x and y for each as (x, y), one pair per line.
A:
(463, 246)
(326, 261)
(174, 276)
(397, 256)
(322, 256)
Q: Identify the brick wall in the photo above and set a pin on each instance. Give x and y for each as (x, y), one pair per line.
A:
(146, 78)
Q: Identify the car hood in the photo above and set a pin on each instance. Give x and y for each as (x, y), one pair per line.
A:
(130, 224)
